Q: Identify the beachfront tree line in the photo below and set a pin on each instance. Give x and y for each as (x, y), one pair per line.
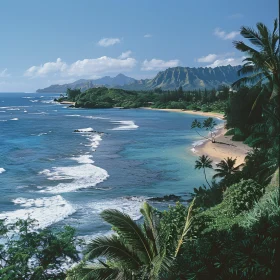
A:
(102, 97)
(230, 229)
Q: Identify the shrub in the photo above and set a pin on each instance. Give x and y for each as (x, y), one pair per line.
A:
(238, 135)
(230, 132)
(242, 196)
(267, 206)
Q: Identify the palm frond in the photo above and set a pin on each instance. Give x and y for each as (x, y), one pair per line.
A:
(89, 271)
(186, 229)
(253, 36)
(112, 248)
(129, 231)
(150, 224)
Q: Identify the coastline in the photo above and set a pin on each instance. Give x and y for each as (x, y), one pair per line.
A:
(68, 102)
(216, 151)
(199, 113)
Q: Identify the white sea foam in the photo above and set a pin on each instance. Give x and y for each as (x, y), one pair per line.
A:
(89, 129)
(95, 118)
(48, 101)
(2, 170)
(82, 176)
(199, 142)
(129, 205)
(39, 113)
(36, 100)
(125, 125)
(46, 210)
(72, 115)
(94, 141)
(83, 159)
(3, 120)
(14, 119)
(42, 133)
(27, 97)
(13, 109)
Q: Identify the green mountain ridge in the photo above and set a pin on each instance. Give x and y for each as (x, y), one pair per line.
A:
(169, 79)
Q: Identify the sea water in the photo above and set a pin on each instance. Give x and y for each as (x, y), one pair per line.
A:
(63, 166)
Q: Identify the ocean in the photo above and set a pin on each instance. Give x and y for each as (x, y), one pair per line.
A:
(63, 166)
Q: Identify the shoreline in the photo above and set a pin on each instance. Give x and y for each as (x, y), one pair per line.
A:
(199, 113)
(216, 151)
(67, 103)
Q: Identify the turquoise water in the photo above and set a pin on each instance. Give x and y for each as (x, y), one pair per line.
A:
(58, 176)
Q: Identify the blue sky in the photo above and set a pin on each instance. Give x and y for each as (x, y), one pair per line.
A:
(58, 41)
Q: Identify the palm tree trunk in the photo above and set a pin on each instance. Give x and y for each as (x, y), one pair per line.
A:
(206, 177)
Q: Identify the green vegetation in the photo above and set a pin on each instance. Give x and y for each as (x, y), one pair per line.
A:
(29, 254)
(226, 168)
(204, 162)
(209, 125)
(102, 97)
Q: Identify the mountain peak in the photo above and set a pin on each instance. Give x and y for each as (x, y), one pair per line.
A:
(121, 76)
(189, 78)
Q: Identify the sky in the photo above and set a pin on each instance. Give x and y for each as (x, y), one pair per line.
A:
(59, 41)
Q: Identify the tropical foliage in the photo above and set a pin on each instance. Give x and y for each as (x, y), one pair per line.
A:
(102, 97)
(29, 254)
(135, 252)
(226, 168)
(262, 58)
(209, 125)
(202, 163)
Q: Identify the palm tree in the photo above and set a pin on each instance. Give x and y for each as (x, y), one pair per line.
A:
(226, 168)
(262, 59)
(204, 162)
(135, 252)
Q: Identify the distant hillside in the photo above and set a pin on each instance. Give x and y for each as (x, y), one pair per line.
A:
(83, 84)
(171, 78)
(188, 78)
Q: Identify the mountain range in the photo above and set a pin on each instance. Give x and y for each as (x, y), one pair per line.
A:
(169, 79)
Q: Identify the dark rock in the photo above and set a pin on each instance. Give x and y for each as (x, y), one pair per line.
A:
(170, 197)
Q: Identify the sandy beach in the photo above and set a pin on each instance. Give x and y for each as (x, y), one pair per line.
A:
(216, 151)
(229, 148)
(206, 114)
(68, 102)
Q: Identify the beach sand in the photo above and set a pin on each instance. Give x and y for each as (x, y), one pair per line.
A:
(67, 102)
(216, 151)
(206, 114)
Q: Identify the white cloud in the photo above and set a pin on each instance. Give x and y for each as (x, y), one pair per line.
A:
(4, 73)
(106, 42)
(86, 67)
(47, 68)
(148, 35)
(208, 58)
(233, 61)
(125, 55)
(225, 36)
(221, 59)
(158, 64)
(104, 64)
